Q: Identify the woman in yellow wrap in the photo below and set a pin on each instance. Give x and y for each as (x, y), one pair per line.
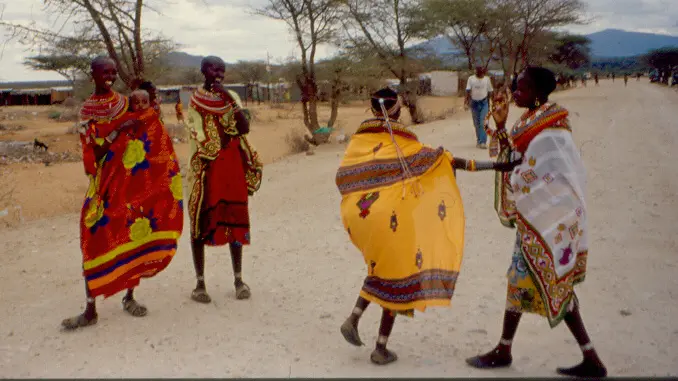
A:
(402, 209)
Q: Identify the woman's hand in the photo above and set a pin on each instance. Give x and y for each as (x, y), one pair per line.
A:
(218, 88)
(130, 124)
(506, 167)
(500, 109)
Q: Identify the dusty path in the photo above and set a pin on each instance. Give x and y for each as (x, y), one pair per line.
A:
(305, 275)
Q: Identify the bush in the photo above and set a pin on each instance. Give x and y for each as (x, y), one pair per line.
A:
(296, 142)
(432, 116)
(70, 115)
(71, 103)
(54, 115)
(74, 129)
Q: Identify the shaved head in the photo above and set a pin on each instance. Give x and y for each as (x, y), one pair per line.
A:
(101, 60)
(211, 60)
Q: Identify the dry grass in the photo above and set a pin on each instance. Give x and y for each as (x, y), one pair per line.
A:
(73, 130)
(432, 116)
(9, 128)
(177, 132)
(8, 209)
(276, 131)
(296, 142)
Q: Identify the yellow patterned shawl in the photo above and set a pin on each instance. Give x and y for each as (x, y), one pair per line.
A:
(410, 231)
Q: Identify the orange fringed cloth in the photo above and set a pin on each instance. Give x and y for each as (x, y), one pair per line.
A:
(132, 216)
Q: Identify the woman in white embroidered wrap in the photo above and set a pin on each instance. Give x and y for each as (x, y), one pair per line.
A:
(551, 249)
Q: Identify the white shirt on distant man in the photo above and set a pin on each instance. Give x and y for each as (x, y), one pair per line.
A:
(479, 87)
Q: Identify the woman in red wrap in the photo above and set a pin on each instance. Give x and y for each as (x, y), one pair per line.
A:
(225, 171)
(132, 216)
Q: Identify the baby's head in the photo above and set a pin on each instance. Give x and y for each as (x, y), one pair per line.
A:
(140, 100)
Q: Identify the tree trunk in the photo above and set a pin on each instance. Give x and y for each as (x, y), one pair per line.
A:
(410, 101)
(310, 100)
(334, 102)
(313, 113)
(138, 45)
(125, 76)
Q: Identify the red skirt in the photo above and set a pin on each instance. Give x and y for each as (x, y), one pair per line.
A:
(224, 214)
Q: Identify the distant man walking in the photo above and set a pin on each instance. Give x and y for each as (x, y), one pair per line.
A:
(478, 91)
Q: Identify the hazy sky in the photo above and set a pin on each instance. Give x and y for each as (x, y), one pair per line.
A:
(228, 29)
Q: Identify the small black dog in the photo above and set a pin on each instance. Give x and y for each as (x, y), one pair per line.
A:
(38, 144)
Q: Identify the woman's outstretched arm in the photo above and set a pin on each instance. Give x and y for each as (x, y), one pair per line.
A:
(474, 165)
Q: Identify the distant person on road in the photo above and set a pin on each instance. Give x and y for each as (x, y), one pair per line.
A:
(626, 79)
(596, 79)
(614, 76)
(638, 75)
(402, 209)
(478, 90)
(179, 111)
(551, 245)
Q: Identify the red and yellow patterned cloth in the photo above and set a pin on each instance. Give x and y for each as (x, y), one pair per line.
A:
(132, 216)
(225, 171)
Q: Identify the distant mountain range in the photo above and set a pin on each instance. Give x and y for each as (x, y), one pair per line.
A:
(620, 43)
(181, 59)
(607, 43)
(607, 46)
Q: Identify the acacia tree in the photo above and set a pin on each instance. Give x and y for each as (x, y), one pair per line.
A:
(111, 26)
(70, 67)
(336, 72)
(251, 72)
(525, 26)
(513, 32)
(383, 28)
(468, 24)
(664, 60)
(572, 51)
(312, 22)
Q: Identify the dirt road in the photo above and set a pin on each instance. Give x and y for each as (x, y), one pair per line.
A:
(305, 275)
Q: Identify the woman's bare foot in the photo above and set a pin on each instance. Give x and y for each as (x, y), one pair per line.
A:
(242, 290)
(200, 295)
(350, 332)
(82, 320)
(588, 368)
(383, 356)
(496, 358)
(133, 308)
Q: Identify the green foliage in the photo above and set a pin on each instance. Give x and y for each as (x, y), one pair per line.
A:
(54, 115)
(512, 33)
(572, 51)
(619, 65)
(663, 59)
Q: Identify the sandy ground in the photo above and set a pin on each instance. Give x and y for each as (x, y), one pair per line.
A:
(39, 191)
(305, 275)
